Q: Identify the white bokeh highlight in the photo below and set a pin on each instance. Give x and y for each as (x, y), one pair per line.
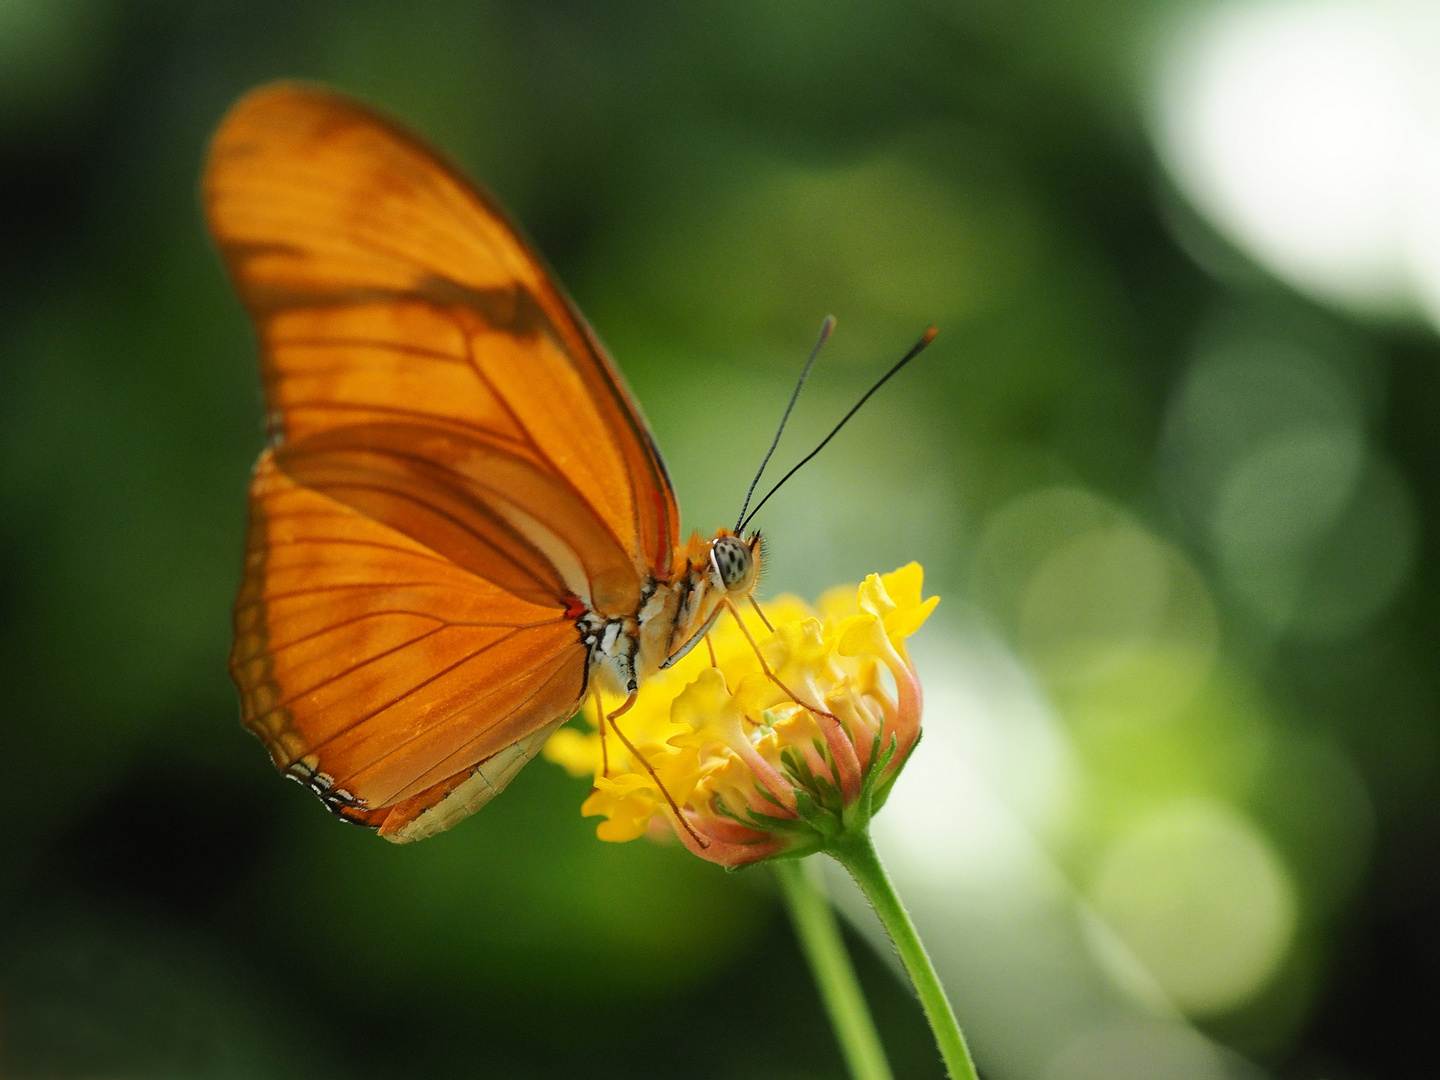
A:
(1308, 133)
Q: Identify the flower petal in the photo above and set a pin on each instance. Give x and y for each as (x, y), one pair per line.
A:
(574, 751)
(628, 803)
(750, 770)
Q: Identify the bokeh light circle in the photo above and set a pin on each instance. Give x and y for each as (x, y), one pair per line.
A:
(1107, 614)
(1307, 132)
(1201, 898)
(1266, 456)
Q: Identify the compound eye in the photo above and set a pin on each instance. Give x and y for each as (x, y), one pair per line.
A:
(733, 560)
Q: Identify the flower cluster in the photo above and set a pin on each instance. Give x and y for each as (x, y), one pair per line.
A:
(745, 763)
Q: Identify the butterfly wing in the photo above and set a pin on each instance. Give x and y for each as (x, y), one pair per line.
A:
(456, 470)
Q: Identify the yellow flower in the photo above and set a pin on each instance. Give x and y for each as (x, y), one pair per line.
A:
(744, 763)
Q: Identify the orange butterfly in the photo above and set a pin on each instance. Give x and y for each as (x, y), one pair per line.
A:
(462, 524)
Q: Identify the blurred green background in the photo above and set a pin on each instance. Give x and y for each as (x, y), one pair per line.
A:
(1178, 814)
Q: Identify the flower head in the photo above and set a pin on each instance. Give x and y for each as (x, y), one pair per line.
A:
(775, 739)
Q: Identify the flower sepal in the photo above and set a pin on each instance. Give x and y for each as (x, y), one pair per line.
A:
(823, 821)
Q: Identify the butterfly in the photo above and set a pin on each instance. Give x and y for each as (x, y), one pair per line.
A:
(461, 525)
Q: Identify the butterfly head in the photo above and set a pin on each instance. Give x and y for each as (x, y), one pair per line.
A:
(735, 562)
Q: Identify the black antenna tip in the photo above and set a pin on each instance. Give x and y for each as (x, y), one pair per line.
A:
(915, 350)
(826, 328)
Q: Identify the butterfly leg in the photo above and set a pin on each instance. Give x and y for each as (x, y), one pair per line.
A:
(711, 646)
(658, 782)
(765, 667)
(846, 763)
(604, 745)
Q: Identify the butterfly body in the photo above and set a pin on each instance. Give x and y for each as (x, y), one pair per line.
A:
(461, 525)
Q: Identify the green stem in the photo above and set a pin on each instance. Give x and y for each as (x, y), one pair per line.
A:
(824, 948)
(856, 853)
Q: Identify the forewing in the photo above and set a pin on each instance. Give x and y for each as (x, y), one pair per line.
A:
(456, 468)
(385, 288)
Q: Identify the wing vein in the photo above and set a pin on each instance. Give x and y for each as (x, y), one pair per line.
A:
(559, 474)
(378, 344)
(396, 748)
(342, 672)
(439, 511)
(384, 612)
(416, 688)
(426, 554)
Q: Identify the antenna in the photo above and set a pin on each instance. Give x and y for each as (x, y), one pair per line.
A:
(915, 350)
(825, 330)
